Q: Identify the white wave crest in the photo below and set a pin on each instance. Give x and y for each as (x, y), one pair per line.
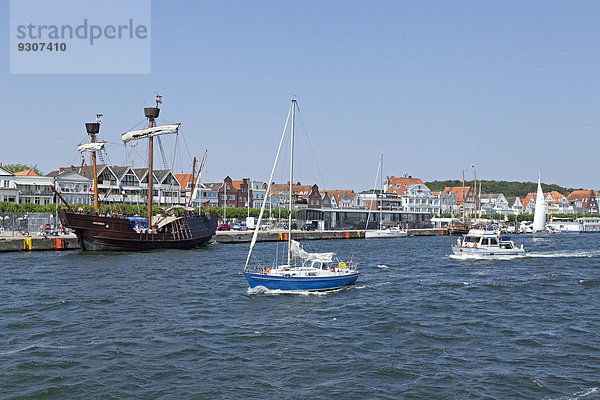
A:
(382, 266)
(33, 346)
(582, 394)
(470, 257)
(275, 292)
(567, 254)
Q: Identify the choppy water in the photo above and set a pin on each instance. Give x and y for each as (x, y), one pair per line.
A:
(418, 325)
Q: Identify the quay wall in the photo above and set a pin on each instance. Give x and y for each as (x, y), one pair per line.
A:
(35, 243)
(69, 242)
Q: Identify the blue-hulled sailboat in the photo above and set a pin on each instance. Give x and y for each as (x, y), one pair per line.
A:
(303, 271)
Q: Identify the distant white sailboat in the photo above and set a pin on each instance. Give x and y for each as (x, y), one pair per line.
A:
(539, 216)
(393, 232)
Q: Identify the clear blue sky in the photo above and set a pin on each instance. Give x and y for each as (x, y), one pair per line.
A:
(510, 86)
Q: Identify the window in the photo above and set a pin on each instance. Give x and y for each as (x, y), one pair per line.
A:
(231, 197)
(6, 183)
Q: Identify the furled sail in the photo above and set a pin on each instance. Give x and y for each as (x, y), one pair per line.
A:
(539, 217)
(149, 132)
(96, 146)
(298, 252)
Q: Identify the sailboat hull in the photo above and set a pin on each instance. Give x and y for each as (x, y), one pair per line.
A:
(294, 283)
(102, 233)
(383, 233)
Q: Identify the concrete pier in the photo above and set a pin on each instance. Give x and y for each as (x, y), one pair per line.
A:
(275, 236)
(35, 243)
(69, 242)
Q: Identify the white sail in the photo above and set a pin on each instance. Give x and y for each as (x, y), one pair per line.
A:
(262, 208)
(539, 217)
(298, 252)
(96, 146)
(149, 132)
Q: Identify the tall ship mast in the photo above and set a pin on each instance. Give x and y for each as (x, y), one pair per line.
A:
(177, 228)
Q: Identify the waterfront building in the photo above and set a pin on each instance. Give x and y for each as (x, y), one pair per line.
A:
(230, 193)
(584, 201)
(448, 203)
(494, 203)
(343, 199)
(408, 194)
(516, 205)
(34, 189)
(556, 203)
(258, 192)
(304, 196)
(74, 188)
(8, 187)
(463, 195)
(209, 194)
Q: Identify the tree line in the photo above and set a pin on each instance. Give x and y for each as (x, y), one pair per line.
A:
(508, 189)
(132, 209)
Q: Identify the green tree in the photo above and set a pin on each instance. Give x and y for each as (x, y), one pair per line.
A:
(22, 167)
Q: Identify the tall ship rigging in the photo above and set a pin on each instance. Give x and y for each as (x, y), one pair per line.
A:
(177, 228)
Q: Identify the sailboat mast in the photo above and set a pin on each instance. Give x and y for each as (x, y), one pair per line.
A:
(381, 202)
(464, 198)
(151, 113)
(92, 129)
(291, 183)
(475, 189)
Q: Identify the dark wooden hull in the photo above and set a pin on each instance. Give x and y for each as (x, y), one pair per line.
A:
(457, 230)
(117, 234)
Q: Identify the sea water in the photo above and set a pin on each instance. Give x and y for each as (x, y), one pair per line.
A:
(418, 324)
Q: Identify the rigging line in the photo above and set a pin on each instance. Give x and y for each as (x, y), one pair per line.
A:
(262, 208)
(374, 186)
(186, 145)
(311, 148)
(175, 152)
(136, 125)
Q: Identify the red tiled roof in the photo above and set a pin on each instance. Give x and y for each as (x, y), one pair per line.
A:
(339, 195)
(183, 180)
(398, 185)
(459, 191)
(585, 196)
(237, 184)
(27, 172)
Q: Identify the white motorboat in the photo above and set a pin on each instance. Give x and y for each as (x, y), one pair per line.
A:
(386, 233)
(486, 243)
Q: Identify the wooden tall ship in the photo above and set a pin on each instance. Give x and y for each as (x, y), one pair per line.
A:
(177, 228)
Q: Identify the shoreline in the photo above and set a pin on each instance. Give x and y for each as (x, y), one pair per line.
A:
(69, 242)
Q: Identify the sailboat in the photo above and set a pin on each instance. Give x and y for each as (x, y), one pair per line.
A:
(539, 216)
(177, 228)
(303, 271)
(393, 232)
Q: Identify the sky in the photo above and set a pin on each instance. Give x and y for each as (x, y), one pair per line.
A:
(511, 87)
